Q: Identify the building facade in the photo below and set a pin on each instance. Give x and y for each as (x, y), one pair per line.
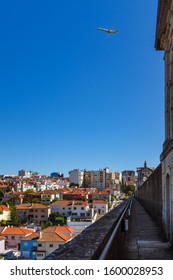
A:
(76, 176)
(164, 42)
(33, 213)
(143, 174)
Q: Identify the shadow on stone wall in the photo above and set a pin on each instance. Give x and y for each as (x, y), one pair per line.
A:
(149, 194)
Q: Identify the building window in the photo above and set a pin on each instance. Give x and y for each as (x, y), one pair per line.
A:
(12, 237)
(39, 245)
(51, 245)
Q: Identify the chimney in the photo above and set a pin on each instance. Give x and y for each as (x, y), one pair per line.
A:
(40, 234)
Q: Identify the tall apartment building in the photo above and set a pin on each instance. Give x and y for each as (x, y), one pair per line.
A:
(25, 173)
(100, 179)
(112, 179)
(128, 175)
(87, 179)
(76, 176)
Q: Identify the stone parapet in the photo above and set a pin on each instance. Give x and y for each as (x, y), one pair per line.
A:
(150, 194)
(89, 244)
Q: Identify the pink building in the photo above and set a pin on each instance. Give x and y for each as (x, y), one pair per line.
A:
(13, 235)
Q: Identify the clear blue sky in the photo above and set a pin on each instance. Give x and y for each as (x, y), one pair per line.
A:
(73, 97)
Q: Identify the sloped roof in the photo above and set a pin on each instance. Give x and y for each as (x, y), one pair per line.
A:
(99, 202)
(54, 237)
(16, 231)
(4, 208)
(69, 203)
(25, 206)
(59, 229)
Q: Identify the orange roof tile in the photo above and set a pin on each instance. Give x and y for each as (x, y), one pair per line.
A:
(4, 208)
(17, 231)
(99, 202)
(25, 206)
(54, 237)
(58, 229)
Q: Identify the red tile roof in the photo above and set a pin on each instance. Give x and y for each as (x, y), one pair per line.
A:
(76, 203)
(59, 229)
(16, 231)
(4, 208)
(99, 202)
(54, 237)
(25, 206)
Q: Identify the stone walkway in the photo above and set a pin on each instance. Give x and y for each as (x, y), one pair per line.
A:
(144, 240)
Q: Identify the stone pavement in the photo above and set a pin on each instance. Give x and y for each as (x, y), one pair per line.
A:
(144, 240)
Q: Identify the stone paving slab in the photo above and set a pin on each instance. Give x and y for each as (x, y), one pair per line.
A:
(144, 240)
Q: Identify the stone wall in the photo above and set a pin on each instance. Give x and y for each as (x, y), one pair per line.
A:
(150, 194)
(90, 243)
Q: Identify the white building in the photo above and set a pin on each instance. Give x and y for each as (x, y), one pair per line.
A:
(2, 244)
(100, 207)
(4, 213)
(71, 208)
(76, 177)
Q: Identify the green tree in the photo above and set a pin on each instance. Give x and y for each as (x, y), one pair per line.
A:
(29, 191)
(56, 218)
(14, 216)
(128, 189)
(11, 201)
(46, 224)
(1, 194)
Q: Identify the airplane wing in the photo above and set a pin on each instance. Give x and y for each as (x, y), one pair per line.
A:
(114, 31)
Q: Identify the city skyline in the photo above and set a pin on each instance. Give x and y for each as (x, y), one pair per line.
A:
(73, 97)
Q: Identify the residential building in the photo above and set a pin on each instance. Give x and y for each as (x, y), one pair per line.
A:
(86, 179)
(71, 208)
(112, 179)
(4, 213)
(17, 196)
(76, 176)
(36, 213)
(100, 206)
(100, 179)
(128, 176)
(13, 235)
(47, 196)
(51, 239)
(100, 195)
(25, 173)
(2, 244)
(28, 246)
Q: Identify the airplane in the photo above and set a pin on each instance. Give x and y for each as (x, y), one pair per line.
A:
(108, 31)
